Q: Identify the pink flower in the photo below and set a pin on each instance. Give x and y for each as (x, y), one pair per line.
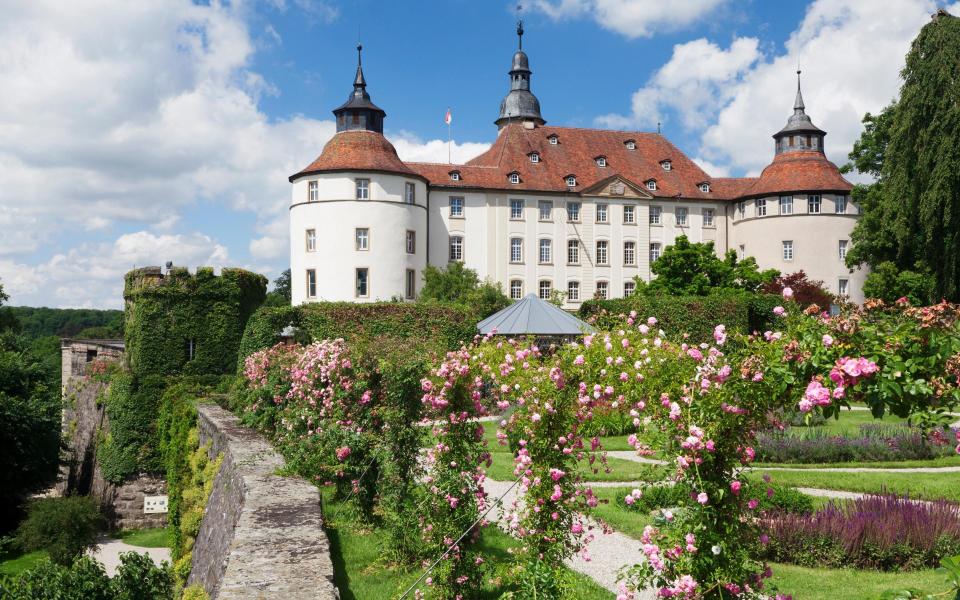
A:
(576, 528)
(827, 340)
(753, 503)
(787, 293)
(343, 453)
(779, 311)
(578, 360)
(720, 334)
(556, 474)
(735, 487)
(702, 498)
(629, 500)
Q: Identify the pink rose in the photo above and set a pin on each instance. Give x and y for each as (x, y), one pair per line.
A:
(787, 293)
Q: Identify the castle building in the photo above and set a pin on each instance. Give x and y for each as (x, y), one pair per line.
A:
(582, 211)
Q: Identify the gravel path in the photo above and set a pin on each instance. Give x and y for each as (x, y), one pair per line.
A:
(632, 456)
(608, 551)
(108, 552)
(830, 493)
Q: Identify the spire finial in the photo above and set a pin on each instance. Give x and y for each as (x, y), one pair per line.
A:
(798, 102)
(359, 54)
(519, 26)
(359, 83)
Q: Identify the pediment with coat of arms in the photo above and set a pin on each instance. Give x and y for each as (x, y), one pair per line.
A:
(617, 187)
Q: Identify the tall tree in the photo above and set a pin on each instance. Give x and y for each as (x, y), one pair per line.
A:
(459, 285)
(912, 211)
(695, 269)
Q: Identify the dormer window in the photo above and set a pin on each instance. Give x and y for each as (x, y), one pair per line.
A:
(666, 164)
(601, 161)
(705, 187)
(454, 175)
(534, 157)
(571, 180)
(553, 139)
(514, 177)
(630, 144)
(652, 184)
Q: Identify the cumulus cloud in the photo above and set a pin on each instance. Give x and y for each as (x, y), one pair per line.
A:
(631, 18)
(125, 120)
(411, 148)
(850, 52)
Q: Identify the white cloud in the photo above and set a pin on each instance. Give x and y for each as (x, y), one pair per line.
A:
(632, 18)
(411, 148)
(130, 118)
(91, 275)
(851, 54)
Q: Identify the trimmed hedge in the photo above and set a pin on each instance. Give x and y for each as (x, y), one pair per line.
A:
(694, 315)
(164, 313)
(422, 326)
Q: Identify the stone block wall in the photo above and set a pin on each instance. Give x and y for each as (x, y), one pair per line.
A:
(262, 534)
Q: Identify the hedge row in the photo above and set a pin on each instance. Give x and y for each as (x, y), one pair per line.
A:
(169, 318)
(423, 327)
(695, 315)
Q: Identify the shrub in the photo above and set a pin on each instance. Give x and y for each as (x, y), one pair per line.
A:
(806, 291)
(885, 532)
(64, 527)
(655, 497)
(873, 443)
(137, 578)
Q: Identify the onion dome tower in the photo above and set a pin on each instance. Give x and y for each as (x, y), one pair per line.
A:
(520, 104)
(799, 133)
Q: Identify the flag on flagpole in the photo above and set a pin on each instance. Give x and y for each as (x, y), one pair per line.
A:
(448, 117)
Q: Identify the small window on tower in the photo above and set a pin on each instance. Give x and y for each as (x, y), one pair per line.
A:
(601, 161)
(705, 187)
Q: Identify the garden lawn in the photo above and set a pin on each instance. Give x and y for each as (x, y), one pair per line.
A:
(926, 486)
(849, 422)
(620, 470)
(17, 564)
(627, 522)
(361, 570)
(850, 584)
(146, 538)
(952, 460)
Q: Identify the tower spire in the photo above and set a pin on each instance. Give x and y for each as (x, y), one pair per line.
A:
(358, 112)
(798, 101)
(359, 83)
(520, 104)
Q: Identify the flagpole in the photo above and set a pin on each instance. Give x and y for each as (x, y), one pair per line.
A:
(449, 140)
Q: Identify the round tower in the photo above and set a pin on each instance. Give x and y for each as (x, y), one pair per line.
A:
(520, 105)
(358, 214)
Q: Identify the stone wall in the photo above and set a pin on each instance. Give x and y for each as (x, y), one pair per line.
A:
(262, 534)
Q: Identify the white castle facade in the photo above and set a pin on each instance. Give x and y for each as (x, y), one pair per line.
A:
(584, 211)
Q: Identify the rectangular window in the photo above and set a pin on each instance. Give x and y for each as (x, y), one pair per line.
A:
(601, 213)
(629, 214)
(708, 217)
(602, 290)
(654, 251)
(545, 288)
(741, 252)
(629, 287)
(761, 207)
(573, 291)
(681, 216)
(311, 283)
(363, 283)
(842, 286)
(602, 258)
(813, 204)
(573, 212)
(411, 284)
(842, 249)
(841, 205)
(411, 241)
(545, 209)
(546, 256)
(363, 189)
(313, 192)
(410, 193)
(311, 240)
(788, 250)
(456, 206)
(573, 252)
(630, 253)
(516, 250)
(655, 212)
(362, 235)
(786, 205)
(456, 247)
(741, 208)
(516, 210)
(516, 289)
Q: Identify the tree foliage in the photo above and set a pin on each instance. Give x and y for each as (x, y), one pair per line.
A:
(694, 269)
(280, 295)
(64, 527)
(889, 283)
(911, 215)
(806, 291)
(461, 286)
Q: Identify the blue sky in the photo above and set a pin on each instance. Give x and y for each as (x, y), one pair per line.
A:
(136, 133)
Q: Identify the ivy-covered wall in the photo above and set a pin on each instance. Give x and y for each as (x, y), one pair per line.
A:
(180, 323)
(422, 327)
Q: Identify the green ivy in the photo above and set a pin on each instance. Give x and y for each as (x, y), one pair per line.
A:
(131, 445)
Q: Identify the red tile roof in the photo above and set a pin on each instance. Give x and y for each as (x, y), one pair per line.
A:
(357, 151)
(803, 171)
(574, 154)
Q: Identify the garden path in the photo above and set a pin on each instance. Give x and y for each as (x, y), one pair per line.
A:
(108, 552)
(608, 551)
(837, 494)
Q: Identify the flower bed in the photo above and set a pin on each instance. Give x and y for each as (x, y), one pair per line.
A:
(885, 532)
(873, 443)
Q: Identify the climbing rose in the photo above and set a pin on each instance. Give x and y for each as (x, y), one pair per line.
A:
(779, 311)
(343, 453)
(702, 498)
(788, 293)
(720, 334)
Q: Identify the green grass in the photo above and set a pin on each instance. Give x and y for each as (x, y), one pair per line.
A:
(146, 538)
(629, 523)
(952, 460)
(18, 564)
(849, 423)
(850, 584)
(927, 486)
(361, 571)
(621, 470)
